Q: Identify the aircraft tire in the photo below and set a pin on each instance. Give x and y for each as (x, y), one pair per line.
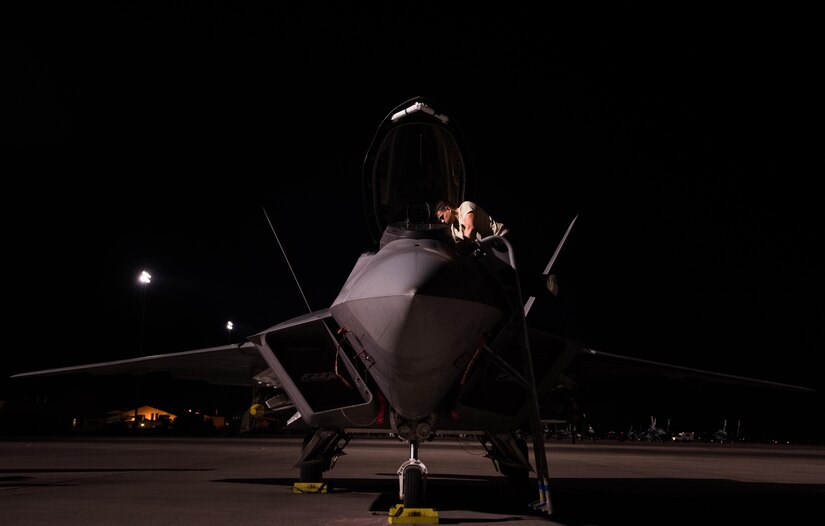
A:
(311, 472)
(413, 488)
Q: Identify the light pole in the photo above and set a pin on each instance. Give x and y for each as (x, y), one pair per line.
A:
(229, 327)
(144, 279)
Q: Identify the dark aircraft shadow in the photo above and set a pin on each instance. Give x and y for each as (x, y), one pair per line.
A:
(598, 501)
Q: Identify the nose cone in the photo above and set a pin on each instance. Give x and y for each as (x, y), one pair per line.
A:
(416, 309)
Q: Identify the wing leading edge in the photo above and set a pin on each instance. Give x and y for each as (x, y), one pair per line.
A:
(233, 364)
(682, 372)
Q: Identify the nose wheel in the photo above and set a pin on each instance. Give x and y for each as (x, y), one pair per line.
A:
(412, 480)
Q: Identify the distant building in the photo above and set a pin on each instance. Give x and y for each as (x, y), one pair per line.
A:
(144, 417)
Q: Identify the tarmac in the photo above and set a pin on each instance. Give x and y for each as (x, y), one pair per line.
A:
(249, 480)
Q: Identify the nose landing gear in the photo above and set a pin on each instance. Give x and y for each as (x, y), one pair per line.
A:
(412, 482)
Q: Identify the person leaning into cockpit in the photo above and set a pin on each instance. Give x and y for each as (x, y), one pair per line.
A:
(468, 222)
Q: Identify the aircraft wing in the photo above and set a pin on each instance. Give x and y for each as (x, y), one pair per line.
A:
(555, 355)
(233, 364)
(605, 362)
(300, 355)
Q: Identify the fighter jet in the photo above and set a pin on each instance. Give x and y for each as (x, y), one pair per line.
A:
(422, 340)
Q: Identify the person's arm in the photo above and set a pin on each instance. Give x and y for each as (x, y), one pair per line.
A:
(469, 226)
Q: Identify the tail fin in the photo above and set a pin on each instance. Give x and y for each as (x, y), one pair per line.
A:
(546, 273)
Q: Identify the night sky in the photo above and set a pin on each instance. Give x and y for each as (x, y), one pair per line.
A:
(156, 137)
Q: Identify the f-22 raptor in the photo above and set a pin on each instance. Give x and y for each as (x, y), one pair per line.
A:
(421, 341)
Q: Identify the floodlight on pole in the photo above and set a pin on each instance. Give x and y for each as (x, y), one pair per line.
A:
(229, 327)
(144, 279)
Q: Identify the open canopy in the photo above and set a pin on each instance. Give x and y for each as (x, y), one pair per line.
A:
(417, 158)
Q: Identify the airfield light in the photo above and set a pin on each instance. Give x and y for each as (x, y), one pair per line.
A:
(145, 277)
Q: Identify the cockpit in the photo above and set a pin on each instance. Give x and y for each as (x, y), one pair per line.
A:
(416, 159)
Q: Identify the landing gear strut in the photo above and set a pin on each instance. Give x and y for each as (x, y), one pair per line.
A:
(320, 451)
